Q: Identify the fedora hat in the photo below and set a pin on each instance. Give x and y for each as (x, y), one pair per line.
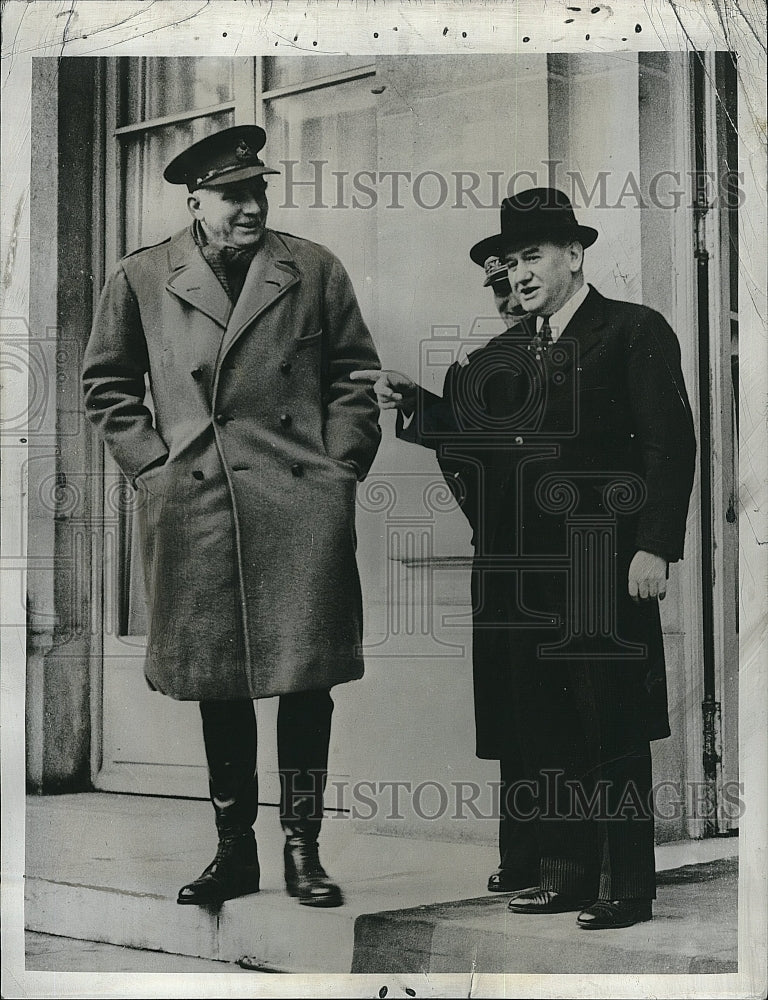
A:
(536, 215)
(225, 157)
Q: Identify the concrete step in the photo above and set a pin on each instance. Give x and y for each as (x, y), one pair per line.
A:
(694, 930)
(107, 868)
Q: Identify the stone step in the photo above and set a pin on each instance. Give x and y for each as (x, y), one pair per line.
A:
(107, 868)
(694, 931)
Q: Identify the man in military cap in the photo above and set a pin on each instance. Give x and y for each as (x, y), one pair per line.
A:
(572, 451)
(246, 474)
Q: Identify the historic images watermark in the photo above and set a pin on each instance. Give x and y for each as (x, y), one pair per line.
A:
(550, 799)
(315, 184)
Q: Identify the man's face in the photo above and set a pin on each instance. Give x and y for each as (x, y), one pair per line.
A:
(233, 214)
(544, 275)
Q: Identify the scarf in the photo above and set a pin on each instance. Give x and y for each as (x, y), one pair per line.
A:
(229, 264)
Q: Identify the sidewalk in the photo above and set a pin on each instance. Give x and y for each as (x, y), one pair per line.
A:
(106, 868)
(46, 953)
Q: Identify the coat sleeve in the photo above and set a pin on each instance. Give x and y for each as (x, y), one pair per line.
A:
(435, 425)
(114, 369)
(351, 430)
(664, 426)
(434, 417)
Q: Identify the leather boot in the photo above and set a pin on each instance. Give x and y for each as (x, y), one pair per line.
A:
(233, 872)
(303, 735)
(229, 735)
(305, 877)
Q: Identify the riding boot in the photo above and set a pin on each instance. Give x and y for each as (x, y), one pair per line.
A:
(305, 877)
(233, 872)
(229, 733)
(303, 736)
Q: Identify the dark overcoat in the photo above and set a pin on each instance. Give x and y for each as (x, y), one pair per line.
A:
(246, 472)
(566, 468)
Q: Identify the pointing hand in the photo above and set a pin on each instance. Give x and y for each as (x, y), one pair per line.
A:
(394, 391)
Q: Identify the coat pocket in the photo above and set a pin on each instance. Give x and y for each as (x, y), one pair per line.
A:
(351, 468)
(307, 341)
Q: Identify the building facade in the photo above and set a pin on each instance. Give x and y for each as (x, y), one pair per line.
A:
(398, 164)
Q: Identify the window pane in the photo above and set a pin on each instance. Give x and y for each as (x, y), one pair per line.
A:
(336, 124)
(280, 71)
(154, 86)
(153, 208)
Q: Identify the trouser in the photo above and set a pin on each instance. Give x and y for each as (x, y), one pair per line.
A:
(591, 785)
(303, 736)
(518, 822)
(621, 778)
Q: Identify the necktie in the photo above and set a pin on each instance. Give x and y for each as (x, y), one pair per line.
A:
(542, 341)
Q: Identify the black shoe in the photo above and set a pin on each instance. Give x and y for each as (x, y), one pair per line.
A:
(605, 915)
(305, 877)
(233, 872)
(510, 880)
(538, 900)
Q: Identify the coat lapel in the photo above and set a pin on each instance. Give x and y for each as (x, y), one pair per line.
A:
(193, 281)
(272, 272)
(586, 328)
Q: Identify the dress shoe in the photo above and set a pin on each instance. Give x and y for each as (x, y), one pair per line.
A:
(305, 877)
(510, 880)
(538, 900)
(605, 915)
(233, 872)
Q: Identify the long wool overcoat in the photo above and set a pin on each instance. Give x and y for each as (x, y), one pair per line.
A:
(565, 470)
(246, 473)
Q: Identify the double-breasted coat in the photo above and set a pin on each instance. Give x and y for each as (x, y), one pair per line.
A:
(566, 468)
(246, 472)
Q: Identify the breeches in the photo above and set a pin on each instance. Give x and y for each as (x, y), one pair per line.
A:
(303, 735)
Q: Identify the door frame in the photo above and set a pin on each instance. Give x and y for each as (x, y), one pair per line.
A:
(720, 706)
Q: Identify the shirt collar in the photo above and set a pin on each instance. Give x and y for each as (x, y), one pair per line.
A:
(560, 319)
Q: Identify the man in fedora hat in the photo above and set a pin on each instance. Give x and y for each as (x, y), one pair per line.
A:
(572, 451)
(246, 472)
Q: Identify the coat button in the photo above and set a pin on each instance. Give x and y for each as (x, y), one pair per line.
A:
(297, 469)
(286, 420)
(285, 367)
(198, 475)
(221, 418)
(518, 440)
(197, 374)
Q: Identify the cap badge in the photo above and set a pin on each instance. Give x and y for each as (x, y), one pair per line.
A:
(243, 150)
